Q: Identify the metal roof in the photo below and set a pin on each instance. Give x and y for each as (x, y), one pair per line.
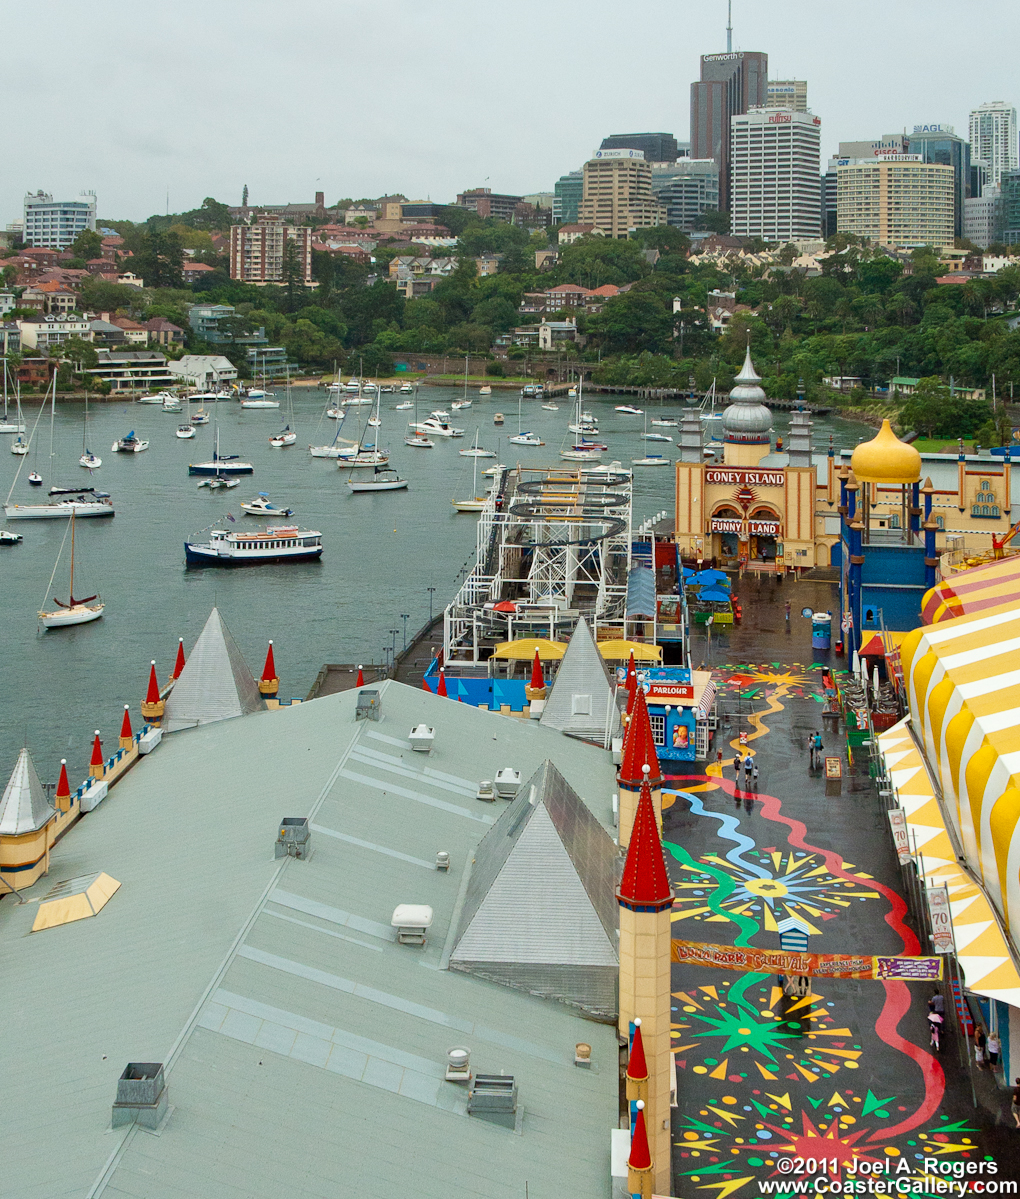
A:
(24, 807)
(215, 683)
(304, 1048)
(641, 593)
(581, 701)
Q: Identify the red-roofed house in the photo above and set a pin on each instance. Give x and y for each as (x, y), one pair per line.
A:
(594, 300)
(50, 297)
(135, 333)
(163, 332)
(568, 234)
(191, 272)
(101, 266)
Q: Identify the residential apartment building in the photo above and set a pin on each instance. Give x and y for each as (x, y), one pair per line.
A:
(993, 134)
(656, 147)
(56, 223)
(729, 84)
(940, 143)
(774, 161)
(618, 193)
(488, 203)
(786, 93)
(982, 217)
(257, 250)
(686, 189)
(47, 332)
(210, 323)
(898, 200)
(132, 370)
(568, 192)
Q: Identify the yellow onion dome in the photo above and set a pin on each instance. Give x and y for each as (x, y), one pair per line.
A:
(886, 459)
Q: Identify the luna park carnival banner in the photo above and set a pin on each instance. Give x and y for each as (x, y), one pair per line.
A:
(816, 965)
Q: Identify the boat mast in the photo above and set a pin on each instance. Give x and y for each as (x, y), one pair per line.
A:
(70, 594)
(53, 412)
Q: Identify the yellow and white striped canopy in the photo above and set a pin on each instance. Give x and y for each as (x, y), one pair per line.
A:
(963, 676)
(982, 948)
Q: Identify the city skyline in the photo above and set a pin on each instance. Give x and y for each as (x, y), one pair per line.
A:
(284, 121)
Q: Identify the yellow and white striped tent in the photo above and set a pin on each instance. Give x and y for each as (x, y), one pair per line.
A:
(962, 677)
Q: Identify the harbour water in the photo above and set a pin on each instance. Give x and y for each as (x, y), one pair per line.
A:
(382, 552)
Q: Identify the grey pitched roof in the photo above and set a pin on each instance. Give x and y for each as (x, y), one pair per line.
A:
(641, 593)
(292, 1017)
(580, 703)
(24, 807)
(215, 683)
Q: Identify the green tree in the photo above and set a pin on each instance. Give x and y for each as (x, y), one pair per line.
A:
(293, 271)
(80, 354)
(713, 220)
(160, 259)
(664, 238)
(932, 410)
(635, 320)
(88, 244)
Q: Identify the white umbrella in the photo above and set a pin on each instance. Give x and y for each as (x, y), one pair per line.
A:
(874, 681)
(856, 664)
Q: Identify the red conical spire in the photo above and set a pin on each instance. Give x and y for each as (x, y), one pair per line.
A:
(441, 689)
(125, 724)
(152, 695)
(63, 786)
(639, 747)
(537, 681)
(361, 678)
(425, 684)
(269, 670)
(97, 751)
(640, 1155)
(179, 664)
(637, 1068)
(645, 883)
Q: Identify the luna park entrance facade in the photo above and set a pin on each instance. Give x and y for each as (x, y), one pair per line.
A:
(737, 540)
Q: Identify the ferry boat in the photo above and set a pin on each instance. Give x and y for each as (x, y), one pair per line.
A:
(278, 543)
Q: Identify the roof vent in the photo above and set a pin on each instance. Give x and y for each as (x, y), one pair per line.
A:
(486, 791)
(458, 1067)
(294, 839)
(582, 1055)
(412, 922)
(368, 706)
(493, 1097)
(442, 860)
(507, 782)
(421, 738)
(141, 1095)
(74, 899)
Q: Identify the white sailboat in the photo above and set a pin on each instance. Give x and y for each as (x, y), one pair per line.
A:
(186, 431)
(527, 438)
(646, 436)
(87, 459)
(463, 402)
(7, 425)
(286, 436)
(581, 450)
(477, 502)
(382, 479)
(475, 450)
(418, 439)
(366, 456)
(76, 611)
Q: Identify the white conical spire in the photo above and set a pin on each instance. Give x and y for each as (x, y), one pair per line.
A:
(24, 807)
(747, 372)
(747, 418)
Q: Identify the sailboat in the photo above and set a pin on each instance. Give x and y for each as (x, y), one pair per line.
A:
(477, 502)
(7, 425)
(186, 431)
(646, 436)
(528, 438)
(366, 455)
(338, 447)
(464, 402)
(76, 611)
(418, 438)
(476, 451)
(286, 436)
(485, 390)
(581, 451)
(221, 464)
(87, 459)
(383, 479)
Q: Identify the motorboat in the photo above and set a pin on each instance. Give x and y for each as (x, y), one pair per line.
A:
(374, 421)
(406, 389)
(440, 414)
(529, 391)
(629, 408)
(262, 505)
(404, 407)
(208, 397)
(129, 445)
(75, 611)
(583, 427)
(650, 460)
(435, 427)
(158, 397)
(258, 393)
(498, 418)
(19, 445)
(219, 483)
(666, 422)
(284, 438)
(485, 390)
(386, 389)
(419, 442)
(526, 439)
(655, 437)
(34, 479)
(335, 412)
(369, 387)
(184, 432)
(279, 543)
(476, 451)
(493, 472)
(9, 538)
(582, 452)
(383, 479)
(171, 404)
(251, 401)
(551, 407)
(353, 384)
(572, 393)
(79, 507)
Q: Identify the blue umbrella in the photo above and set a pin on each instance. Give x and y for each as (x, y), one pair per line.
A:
(716, 575)
(715, 597)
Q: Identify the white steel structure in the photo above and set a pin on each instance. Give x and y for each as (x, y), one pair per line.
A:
(774, 163)
(993, 135)
(556, 547)
(54, 224)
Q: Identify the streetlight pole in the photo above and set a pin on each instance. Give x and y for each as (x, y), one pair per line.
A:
(393, 642)
(431, 591)
(405, 616)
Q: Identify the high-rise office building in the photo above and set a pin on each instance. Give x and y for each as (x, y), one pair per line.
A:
(827, 197)
(54, 224)
(774, 155)
(618, 193)
(897, 200)
(686, 189)
(983, 217)
(939, 143)
(1009, 213)
(978, 177)
(730, 84)
(888, 143)
(656, 147)
(568, 192)
(787, 93)
(993, 137)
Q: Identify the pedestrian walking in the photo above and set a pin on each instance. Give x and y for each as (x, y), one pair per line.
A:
(992, 1049)
(738, 761)
(754, 775)
(979, 1049)
(748, 765)
(788, 613)
(1014, 1105)
(937, 1003)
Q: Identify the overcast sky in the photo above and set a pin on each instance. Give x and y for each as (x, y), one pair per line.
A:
(130, 98)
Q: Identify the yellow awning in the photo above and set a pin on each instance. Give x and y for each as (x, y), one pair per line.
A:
(524, 650)
(981, 948)
(620, 651)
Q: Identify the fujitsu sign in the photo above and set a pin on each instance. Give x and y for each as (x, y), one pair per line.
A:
(738, 476)
(780, 118)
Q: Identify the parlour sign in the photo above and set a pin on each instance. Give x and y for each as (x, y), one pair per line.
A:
(663, 690)
(740, 476)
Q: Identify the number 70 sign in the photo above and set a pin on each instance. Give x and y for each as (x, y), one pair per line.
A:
(941, 920)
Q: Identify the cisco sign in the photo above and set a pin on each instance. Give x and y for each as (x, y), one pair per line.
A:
(933, 129)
